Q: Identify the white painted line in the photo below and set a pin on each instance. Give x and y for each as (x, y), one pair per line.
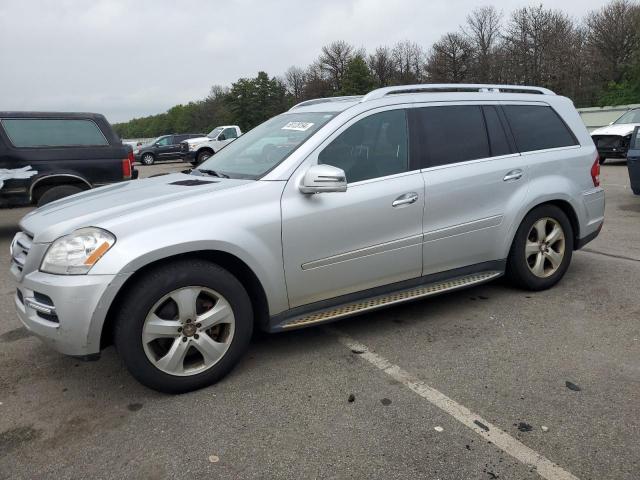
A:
(545, 467)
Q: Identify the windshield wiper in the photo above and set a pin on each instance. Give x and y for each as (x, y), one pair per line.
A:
(213, 173)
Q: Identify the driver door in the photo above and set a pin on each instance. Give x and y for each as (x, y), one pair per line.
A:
(369, 236)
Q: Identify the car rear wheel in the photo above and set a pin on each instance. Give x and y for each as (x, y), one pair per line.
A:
(56, 193)
(186, 329)
(541, 250)
(148, 159)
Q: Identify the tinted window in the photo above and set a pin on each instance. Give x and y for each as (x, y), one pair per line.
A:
(375, 146)
(536, 127)
(229, 133)
(451, 134)
(498, 142)
(179, 138)
(32, 132)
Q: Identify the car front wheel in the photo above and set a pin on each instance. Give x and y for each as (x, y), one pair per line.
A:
(541, 250)
(183, 326)
(203, 156)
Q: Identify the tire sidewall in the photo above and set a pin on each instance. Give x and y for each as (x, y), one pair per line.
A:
(144, 295)
(517, 267)
(144, 160)
(201, 155)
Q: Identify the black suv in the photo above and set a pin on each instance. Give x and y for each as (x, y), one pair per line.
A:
(70, 152)
(166, 147)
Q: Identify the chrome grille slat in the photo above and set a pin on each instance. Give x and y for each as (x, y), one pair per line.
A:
(21, 246)
(389, 299)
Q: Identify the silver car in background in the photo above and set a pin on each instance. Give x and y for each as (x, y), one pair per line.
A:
(336, 207)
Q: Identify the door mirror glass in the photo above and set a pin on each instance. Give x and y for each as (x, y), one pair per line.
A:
(323, 178)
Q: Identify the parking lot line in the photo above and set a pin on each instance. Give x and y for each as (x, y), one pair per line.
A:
(544, 467)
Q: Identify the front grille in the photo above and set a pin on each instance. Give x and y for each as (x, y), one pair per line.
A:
(608, 141)
(20, 247)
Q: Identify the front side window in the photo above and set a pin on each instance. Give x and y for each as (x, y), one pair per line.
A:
(35, 132)
(537, 127)
(373, 147)
(164, 141)
(451, 134)
(632, 116)
(256, 152)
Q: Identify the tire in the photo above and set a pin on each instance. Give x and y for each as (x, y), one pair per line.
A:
(602, 159)
(536, 270)
(56, 193)
(203, 155)
(636, 191)
(147, 159)
(148, 358)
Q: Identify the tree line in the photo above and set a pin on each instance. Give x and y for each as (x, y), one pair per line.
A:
(593, 61)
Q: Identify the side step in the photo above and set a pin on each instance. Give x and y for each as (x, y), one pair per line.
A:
(380, 301)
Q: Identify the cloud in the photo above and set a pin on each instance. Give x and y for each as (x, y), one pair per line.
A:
(132, 58)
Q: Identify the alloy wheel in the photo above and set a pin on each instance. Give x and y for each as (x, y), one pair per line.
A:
(188, 331)
(545, 247)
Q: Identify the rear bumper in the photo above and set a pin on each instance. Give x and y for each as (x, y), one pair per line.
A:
(591, 224)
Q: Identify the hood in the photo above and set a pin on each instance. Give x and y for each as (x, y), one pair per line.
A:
(191, 141)
(622, 129)
(123, 202)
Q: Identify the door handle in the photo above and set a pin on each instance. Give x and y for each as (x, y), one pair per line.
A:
(406, 199)
(513, 175)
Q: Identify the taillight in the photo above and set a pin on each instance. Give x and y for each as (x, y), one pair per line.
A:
(595, 172)
(126, 168)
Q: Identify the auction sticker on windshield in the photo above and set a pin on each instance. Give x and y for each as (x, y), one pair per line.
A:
(298, 126)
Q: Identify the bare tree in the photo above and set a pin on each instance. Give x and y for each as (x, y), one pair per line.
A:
(316, 82)
(334, 59)
(450, 59)
(408, 59)
(483, 33)
(295, 79)
(613, 33)
(381, 65)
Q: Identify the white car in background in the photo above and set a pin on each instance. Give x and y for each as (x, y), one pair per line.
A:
(197, 150)
(612, 141)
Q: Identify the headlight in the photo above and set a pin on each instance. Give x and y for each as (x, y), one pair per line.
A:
(193, 146)
(76, 253)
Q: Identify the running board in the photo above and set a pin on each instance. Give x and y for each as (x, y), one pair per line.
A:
(380, 301)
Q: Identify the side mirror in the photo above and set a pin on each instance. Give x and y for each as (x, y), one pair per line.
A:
(221, 137)
(323, 178)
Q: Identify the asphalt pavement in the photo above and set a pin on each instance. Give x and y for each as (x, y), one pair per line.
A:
(489, 382)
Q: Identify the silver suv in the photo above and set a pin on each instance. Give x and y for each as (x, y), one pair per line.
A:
(337, 207)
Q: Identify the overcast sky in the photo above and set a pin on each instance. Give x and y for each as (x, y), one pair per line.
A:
(131, 58)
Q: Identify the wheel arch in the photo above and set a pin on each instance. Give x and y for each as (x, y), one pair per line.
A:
(228, 261)
(41, 184)
(564, 205)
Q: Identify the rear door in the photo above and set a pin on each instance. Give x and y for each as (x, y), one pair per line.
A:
(475, 183)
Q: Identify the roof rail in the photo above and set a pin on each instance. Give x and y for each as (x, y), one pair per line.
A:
(316, 101)
(452, 87)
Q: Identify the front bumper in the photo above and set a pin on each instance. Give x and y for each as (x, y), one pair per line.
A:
(79, 304)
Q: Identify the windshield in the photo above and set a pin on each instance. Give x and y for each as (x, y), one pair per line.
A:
(632, 116)
(258, 151)
(214, 133)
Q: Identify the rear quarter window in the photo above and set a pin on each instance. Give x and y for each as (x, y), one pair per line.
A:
(33, 132)
(537, 127)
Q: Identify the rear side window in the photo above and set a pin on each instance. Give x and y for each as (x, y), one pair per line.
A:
(450, 134)
(34, 132)
(537, 127)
